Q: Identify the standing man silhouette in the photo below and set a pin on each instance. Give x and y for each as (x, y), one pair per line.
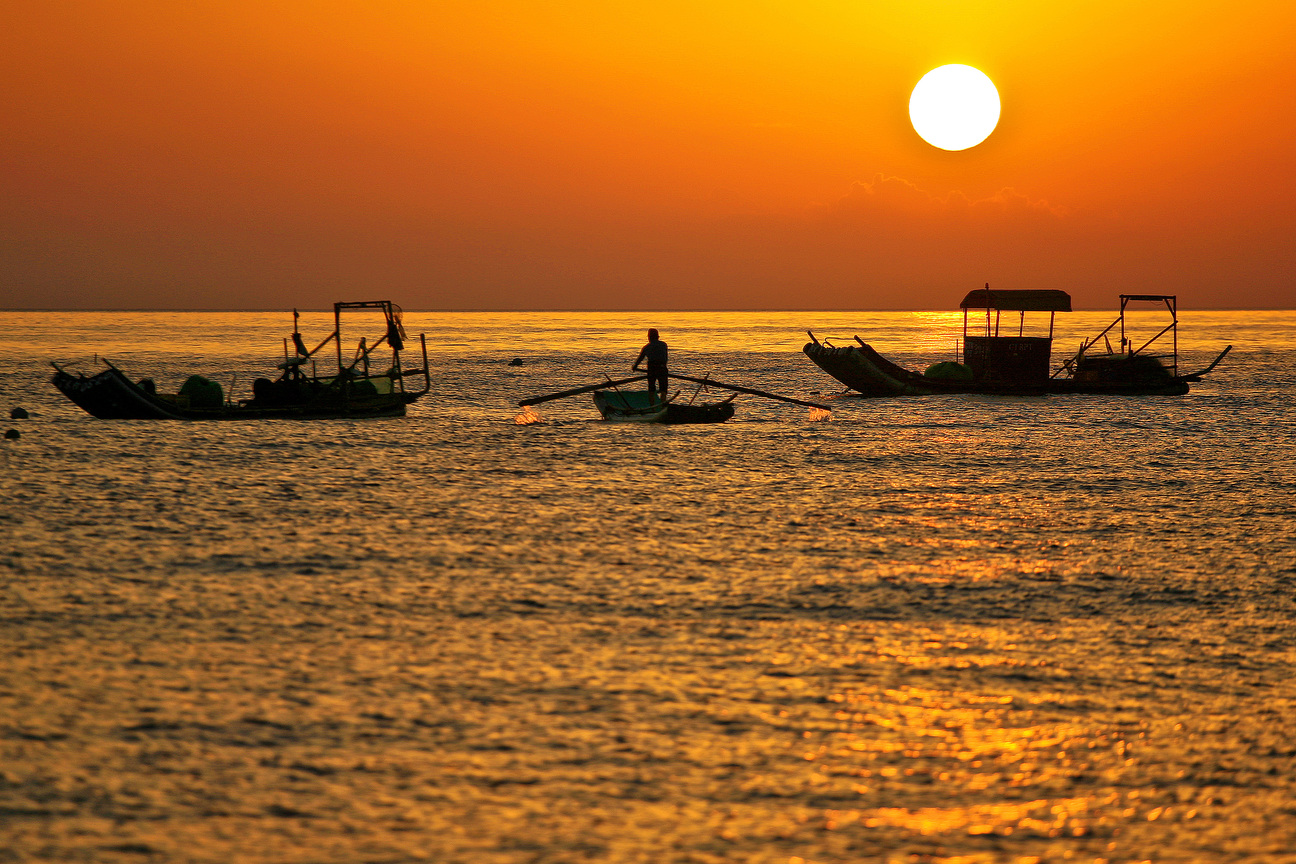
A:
(655, 353)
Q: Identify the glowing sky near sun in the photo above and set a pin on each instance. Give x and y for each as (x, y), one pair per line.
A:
(496, 155)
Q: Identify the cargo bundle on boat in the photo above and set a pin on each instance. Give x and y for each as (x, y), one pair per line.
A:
(359, 386)
(999, 362)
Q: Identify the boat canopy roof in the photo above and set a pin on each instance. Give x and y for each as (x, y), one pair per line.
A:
(1033, 300)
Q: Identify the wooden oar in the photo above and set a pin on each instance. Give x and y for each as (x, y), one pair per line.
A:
(699, 390)
(625, 403)
(536, 400)
(711, 382)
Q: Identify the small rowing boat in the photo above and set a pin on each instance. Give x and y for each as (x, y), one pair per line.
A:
(635, 406)
(640, 406)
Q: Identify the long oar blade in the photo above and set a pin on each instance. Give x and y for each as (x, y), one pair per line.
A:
(536, 400)
(711, 382)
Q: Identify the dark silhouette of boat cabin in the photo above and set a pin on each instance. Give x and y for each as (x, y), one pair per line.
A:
(356, 388)
(1003, 363)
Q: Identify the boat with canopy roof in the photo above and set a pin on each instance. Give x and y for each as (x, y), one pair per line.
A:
(997, 362)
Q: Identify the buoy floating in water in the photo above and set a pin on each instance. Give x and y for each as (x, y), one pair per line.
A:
(12, 435)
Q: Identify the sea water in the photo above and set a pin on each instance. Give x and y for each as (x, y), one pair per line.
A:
(947, 629)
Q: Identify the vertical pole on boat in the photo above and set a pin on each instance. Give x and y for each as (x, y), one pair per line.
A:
(1173, 303)
(1021, 322)
(396, 364)
(956, 343)
(389, 311)
(1124, 303)
(337, 333)
(427, 377)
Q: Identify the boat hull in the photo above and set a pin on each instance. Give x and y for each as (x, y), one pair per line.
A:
(1019, 365)
(636, 406)
(708, 412)
(620, 415)
(1118, 374)
(864, 370)
(110, 395)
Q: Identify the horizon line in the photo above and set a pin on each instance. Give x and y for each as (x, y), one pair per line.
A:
(289, 309)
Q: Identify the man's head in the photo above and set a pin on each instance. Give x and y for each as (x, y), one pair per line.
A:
(652, 334)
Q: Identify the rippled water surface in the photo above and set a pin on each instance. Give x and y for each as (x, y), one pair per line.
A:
(957, 630)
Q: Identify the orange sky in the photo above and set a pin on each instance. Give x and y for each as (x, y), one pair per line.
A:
(568, 155)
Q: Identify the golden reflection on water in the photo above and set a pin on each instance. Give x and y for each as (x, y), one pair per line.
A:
(955, 740)
(931, 632)
(976, 763)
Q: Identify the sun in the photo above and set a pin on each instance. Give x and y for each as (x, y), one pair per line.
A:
(954, 107)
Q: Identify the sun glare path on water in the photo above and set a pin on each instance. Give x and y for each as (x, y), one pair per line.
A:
(1003, 627)
(954, 107)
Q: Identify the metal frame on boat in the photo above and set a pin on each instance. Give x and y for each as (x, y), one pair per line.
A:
(1130, 369)
(354, 390)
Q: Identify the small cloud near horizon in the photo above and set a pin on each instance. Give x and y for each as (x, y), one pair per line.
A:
(896, 193)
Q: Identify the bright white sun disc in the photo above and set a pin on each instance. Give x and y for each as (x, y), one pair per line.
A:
(954, 107)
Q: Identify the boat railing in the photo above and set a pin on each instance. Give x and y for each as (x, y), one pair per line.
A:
(359, 366)
(1171, 301)
(296, 338)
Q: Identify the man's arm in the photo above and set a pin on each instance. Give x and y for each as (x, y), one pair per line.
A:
(642, 352)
